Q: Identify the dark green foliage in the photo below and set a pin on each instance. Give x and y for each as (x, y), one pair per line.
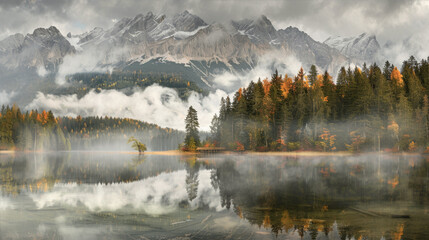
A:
(192, 139)
(82, 83)
(312, 75)
(107, 133)
(366, 109)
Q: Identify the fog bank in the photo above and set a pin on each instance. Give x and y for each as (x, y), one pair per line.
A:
(154, 104)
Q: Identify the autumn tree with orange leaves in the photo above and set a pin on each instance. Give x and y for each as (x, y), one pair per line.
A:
(42, 131)
(365, 108)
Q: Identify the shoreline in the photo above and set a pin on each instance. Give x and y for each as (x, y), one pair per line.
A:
(180, 153)
(7, 151)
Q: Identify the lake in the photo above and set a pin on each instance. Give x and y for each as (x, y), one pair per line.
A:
(89, 195)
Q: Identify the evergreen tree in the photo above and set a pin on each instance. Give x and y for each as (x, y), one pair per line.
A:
(415, 89)
(383, 94)
(424, 75)
(215, 128)
(404, 115)
(312, 75)
(276, 99)
(380, 105)
(331, 97)
(222, 111)
(299, 98)
(192, 125)
(341, 89)
(387, 70)
(319, 108)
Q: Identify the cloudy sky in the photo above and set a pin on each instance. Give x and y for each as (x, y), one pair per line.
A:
(389, 19)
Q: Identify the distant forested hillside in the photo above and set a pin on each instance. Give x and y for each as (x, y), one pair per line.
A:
(35, 130)
(106, 133)
(366, 109)
(82, 83)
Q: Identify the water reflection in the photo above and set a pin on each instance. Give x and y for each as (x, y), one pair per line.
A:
(192, 169)
(310, 195)
(119, 196)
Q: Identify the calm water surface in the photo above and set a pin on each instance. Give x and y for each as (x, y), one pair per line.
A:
(118, 196)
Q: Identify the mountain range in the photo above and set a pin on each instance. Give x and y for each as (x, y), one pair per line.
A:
(182, 44)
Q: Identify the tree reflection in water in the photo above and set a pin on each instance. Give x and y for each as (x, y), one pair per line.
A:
(309, 196)
(192, 168)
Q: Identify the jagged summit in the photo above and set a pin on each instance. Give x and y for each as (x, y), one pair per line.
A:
(293, 33)
(145, 28)
(310, 51)
(85, 37)
(11, 43)
(259, 30)
(46, 32)
(44, 47)
(187, 22)
(183, 39)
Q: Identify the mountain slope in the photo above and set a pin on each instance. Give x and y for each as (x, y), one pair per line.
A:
(362, 48)
(182, 45)
(259, 30)
(11, 43)
(44, 47)
(310, 51)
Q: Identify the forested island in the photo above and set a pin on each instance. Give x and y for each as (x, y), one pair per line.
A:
(368, 109)
(42, 131)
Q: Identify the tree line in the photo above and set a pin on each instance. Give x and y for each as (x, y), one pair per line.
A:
(82, 83)
(368, 108)
(31, 130)
(101, 133)
(38, 131)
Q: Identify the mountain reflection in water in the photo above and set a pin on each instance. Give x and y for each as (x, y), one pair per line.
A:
(117, 196)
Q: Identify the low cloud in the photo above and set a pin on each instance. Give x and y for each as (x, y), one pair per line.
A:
(5, 97)
(266, 65)
(400, 51)
(154, 104)
(41, 71)
(90, 60)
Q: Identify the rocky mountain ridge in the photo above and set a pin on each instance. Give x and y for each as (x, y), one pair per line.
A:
(362, 48)
(43, 47)
(186, 42)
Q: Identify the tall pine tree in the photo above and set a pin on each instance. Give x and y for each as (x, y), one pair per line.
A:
(192, 139)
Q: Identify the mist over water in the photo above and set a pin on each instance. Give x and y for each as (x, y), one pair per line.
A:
(5, 203)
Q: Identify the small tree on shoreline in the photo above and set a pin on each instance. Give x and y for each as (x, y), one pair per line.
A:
(137, 145)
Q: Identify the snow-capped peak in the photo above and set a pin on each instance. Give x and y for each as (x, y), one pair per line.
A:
(362, 47)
